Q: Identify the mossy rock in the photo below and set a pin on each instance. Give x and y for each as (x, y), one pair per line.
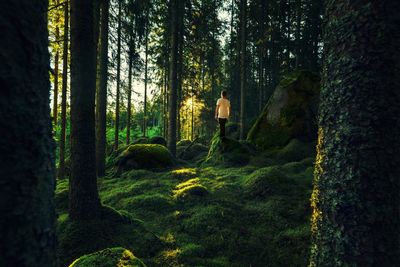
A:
(111, 229)
(296, 150)
(145, 156)
(268, 181)
(183, 142)
(290, 112)
(194, 152)
(228, 151)
(109, 257)
(158, 140)
(189, 190)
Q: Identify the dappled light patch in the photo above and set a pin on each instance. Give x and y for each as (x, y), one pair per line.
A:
(184, 173)
(189, 190)
(109, 257)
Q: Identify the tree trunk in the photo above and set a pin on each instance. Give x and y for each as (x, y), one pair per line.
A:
(129, 111)
(116, 136)
(101, 97)
(84, 200)
(173, 77)
(356, 200)
(145, 79)
(243, 22)
(27, 168)
(61, 172)
(56, 72)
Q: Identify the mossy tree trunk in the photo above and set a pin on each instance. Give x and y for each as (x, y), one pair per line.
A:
(84, 200)
(174, 6)
(27, 171)
(61, 172)
(101, 96)
(356, 199)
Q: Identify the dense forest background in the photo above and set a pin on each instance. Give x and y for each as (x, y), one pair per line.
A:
(111, 155)
(244, 47)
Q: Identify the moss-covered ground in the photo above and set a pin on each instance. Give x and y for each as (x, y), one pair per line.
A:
(203, 215)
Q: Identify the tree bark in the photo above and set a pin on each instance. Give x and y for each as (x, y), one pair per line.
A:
(56, 72)
(101, 97)
(61, 172)
(173, 77)
(84, 200)
(243, 22)
(116, 136)
(145, 76)
(27, 158)
(356, 200)
(128, 123)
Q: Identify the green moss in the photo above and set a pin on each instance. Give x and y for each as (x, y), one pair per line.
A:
(110, 257)
(145, 156)
(194, 152)
(189, 190)
(184, 173)
(114, 228)
(141, 140)
(228, 152)
(268, 181)
(296, 150)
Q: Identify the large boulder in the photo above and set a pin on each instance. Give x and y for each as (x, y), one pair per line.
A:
(109, 257)
(144, 156)
(290, 112)
(158, 140)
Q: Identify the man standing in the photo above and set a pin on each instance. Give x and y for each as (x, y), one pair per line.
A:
(222, 112)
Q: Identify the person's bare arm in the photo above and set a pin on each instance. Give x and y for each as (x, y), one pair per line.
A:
(216, 111)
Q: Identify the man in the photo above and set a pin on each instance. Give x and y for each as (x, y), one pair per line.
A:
(222, 112)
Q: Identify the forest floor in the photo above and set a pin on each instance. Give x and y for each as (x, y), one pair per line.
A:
(194, 215)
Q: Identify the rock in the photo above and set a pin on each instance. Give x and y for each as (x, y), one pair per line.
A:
(228, 152)
(109, 257)
(158, 140)
(144, 156)
(232, 130)
(191, 189)
(290, 112)
(194, 152)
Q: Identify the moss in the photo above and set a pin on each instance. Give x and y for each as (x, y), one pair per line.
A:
(184, 173)
(110, 257)
(228, 152)
(268, 181)
(145, 156)
(158, 140)
(189, 190)
(194, 152)
(296, 150)
(114, 228)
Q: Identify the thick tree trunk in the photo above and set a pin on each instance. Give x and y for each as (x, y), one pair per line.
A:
(27, 168)
(56, 72)
(84, 200)
(116, 136)
(101, 97)
(61, 172)
(356, 199)
(173, 77)
(243, 22)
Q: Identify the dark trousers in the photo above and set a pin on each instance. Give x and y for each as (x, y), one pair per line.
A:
(222, 123)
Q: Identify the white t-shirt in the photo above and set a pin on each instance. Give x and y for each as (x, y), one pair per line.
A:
(223, 110)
